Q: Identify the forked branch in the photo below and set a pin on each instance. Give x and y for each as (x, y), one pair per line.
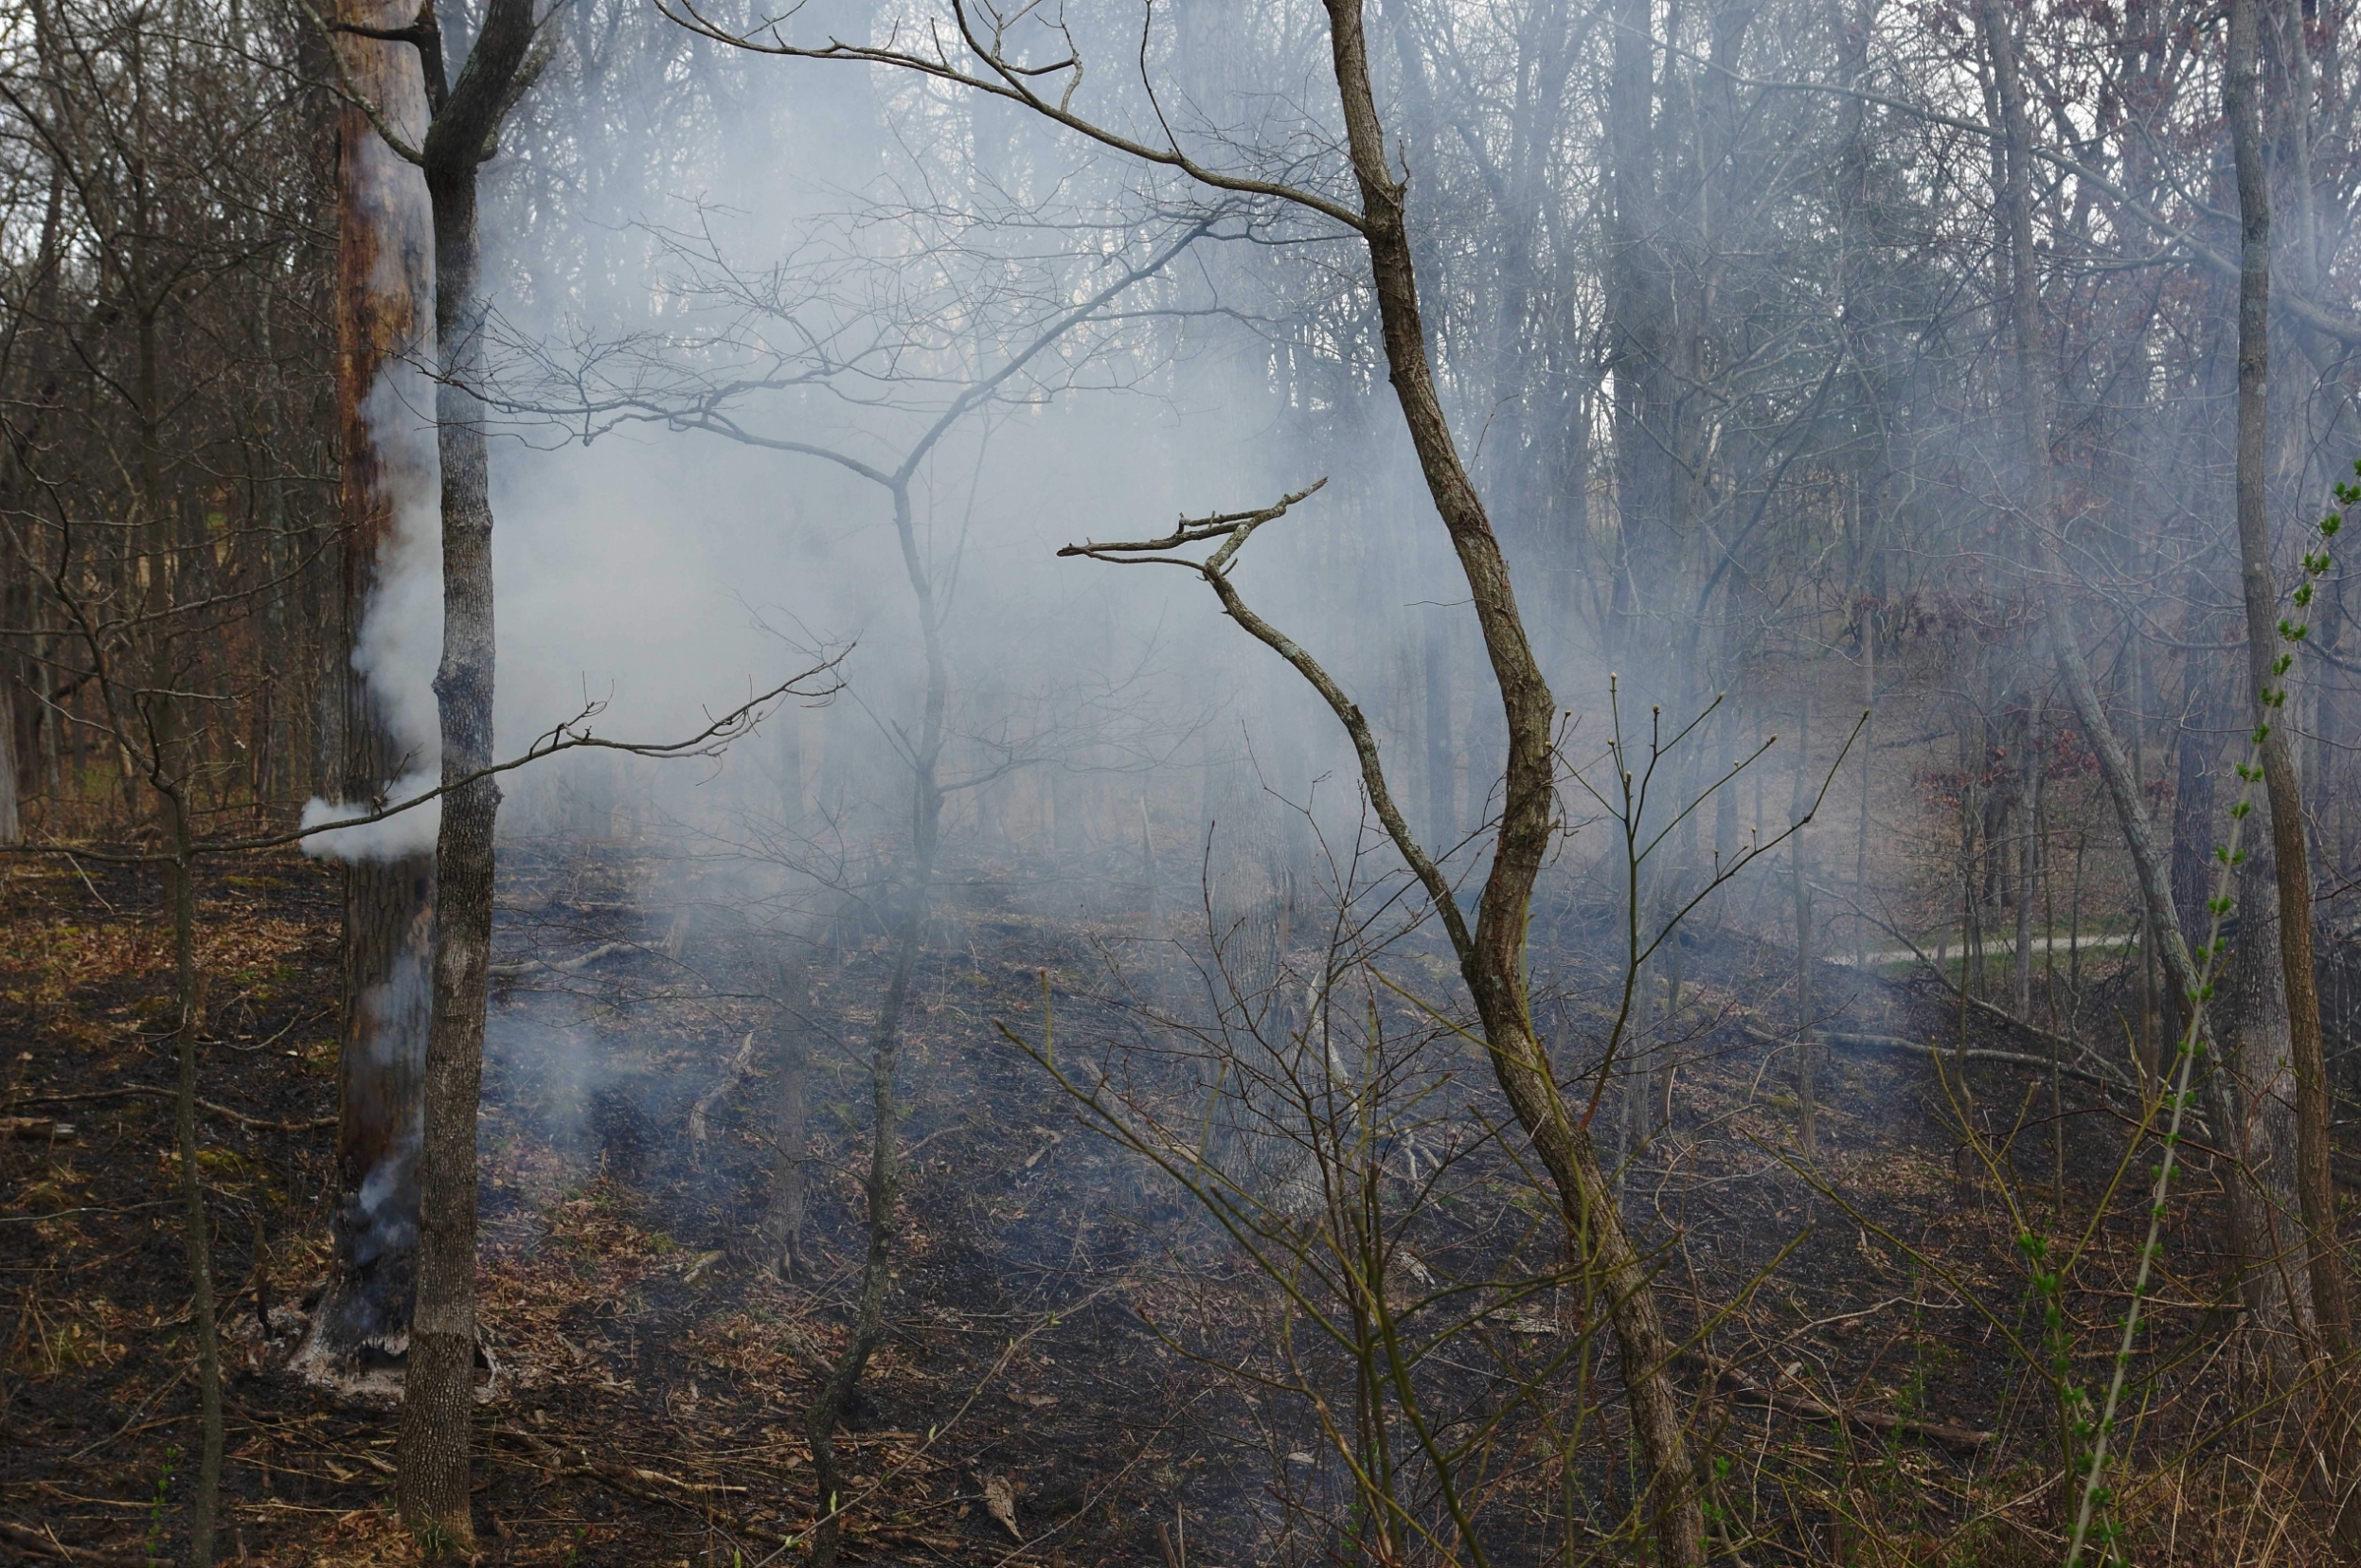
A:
(1233, 529)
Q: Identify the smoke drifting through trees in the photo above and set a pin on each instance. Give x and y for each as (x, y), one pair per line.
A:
(1800, 357)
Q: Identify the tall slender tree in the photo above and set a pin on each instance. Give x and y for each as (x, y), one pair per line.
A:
(464, 117)
(2269, 659)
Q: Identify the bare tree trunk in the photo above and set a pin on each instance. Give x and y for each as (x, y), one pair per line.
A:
(2196, 762)
(883, 1188)
(197, 1228)
(884, 1183)
(1642, 1039)
(2267, 672)
(438, 1392)
(2242, 1203)
(18, 671)
(2028, 765)
(1492, 957)
(1645, 349)
(783, 1224)
(1807, 1064)
(1870, 619)
(10, 830)
(384, 271)
(2252, 1030)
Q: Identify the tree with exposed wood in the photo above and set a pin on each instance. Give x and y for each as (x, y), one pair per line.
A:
(462, 129)
(385, 321)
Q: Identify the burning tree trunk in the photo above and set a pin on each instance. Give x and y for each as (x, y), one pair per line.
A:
(384, 275)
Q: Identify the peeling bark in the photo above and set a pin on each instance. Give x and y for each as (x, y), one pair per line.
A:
(384, 275)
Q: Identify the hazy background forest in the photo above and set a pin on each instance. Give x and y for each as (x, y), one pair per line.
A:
(1653, 933)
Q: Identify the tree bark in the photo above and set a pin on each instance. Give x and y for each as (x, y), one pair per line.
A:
(2241, 1203)
(384, 273)
(1492, 957)
(438, 1393)
(2265, 675)
(198, 1231)
(782, 1225)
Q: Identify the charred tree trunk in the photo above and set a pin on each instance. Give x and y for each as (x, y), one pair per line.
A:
(383, 273)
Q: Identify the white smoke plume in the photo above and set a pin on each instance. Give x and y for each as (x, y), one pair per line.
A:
(400, 639)
(397, 837)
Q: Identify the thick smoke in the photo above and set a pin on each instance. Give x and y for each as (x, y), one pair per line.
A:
(400, 639)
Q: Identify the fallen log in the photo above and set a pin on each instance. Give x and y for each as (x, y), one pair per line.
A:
(262, 1124)
(564, 966)
(1950, 1053)
(1728, 1380)
(655, 1487)
(731, 1079)
(35, 1544)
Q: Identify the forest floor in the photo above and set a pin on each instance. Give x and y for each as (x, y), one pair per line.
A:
(1859, 1320)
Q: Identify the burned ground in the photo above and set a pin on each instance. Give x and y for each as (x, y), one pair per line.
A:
(1060, 1310)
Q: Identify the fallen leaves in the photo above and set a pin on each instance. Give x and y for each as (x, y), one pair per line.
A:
(1001, 1502)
